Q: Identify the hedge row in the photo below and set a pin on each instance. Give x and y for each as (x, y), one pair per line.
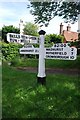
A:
(10, 51)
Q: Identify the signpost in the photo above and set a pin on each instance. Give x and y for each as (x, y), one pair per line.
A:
(41, 77)
(57, 51)
(61, 51)
(29, 50)
(22, 39)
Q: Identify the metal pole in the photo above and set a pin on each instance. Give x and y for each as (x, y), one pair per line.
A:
(41, 77)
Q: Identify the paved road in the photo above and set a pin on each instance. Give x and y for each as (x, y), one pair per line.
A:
(52, 70)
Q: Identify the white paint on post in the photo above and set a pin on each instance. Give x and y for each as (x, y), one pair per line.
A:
(41, 65)
(78, 23)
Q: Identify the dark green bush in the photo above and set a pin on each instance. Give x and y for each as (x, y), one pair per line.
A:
(76, 44)
(78, 51)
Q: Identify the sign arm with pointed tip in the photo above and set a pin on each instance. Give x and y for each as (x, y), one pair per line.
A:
(58, 51)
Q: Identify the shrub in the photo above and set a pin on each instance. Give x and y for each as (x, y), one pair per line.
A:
(53, 38)
(78, 51)
(76, 44)
(10, 51)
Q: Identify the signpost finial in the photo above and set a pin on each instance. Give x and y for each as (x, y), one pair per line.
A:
(42, 32)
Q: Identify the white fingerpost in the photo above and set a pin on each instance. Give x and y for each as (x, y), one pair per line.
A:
(79, 27)
(41, 77)
(79, 23)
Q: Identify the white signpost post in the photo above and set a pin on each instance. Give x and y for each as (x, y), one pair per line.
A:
(57, 51)
(41, 77)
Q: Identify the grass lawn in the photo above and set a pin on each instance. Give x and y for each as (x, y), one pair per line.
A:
(24, 98)
(49, 63)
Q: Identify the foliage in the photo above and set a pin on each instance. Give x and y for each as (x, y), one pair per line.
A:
(76, 44)
(45, 11)
(53, 38)
(30, 29)
(31, 62)
(23, 98)
(78, 51)
(10, 51)
(8, 29)
(0, 34)
(16, 61)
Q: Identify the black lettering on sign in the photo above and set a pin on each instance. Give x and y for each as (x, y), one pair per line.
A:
(48, 49)
(72, 49)
(57, 45)
(27, 50)
(64, 45)
(65, 53)
(71, 57)
(61, 45)
(36, 50)
(60, 53)
(56, 52)
(71, 53)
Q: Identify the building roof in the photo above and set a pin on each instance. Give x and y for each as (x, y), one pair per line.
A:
(70, 35)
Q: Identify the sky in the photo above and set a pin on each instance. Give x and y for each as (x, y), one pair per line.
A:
(12, 12)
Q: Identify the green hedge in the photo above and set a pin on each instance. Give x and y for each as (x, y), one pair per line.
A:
(77, 45)
(53, 38)
(10, 51)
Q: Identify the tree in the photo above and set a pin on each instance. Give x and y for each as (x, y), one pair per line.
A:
(8, 29)
(53, 38)
(0, 34)
(45, 11)
(30, 29)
